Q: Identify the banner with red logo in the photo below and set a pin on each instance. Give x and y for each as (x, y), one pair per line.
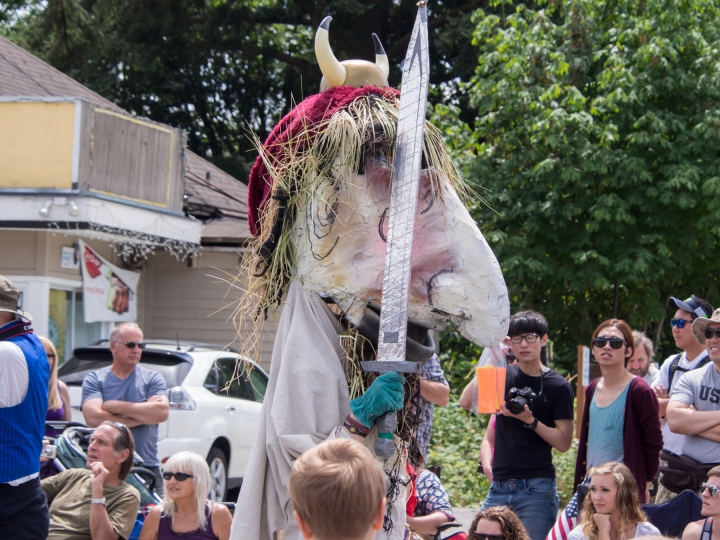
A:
(109, 292)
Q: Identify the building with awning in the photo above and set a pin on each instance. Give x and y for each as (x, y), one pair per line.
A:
(75, 167)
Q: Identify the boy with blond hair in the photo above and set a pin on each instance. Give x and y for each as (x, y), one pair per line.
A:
(338, 492)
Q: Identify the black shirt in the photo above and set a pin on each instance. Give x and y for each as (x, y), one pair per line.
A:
(520, 453)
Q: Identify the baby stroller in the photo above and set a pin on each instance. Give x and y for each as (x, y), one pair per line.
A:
(72, 444)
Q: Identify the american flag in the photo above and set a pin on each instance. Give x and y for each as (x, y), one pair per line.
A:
(566, 522)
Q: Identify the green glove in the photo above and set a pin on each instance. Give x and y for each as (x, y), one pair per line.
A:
(385, 394)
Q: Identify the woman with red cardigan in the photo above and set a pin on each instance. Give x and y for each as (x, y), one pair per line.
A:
(620, 420)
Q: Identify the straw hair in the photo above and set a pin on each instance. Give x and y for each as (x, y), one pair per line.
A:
(626, 500)
(54, 399)
(190, 463)
(337, 488)
(510, 525)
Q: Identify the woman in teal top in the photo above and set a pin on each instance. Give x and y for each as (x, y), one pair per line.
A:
(620, 420)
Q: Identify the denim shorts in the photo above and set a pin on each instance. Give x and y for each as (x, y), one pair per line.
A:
(535, 501)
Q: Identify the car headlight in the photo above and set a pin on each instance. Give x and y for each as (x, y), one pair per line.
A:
(180, 399)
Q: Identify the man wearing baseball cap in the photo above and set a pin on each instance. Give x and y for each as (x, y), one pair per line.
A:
(694, 408)
(24, 374)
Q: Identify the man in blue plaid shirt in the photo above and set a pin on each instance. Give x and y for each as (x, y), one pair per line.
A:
(434, 390)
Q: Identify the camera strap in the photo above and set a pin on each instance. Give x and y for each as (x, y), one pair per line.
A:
(17, 328)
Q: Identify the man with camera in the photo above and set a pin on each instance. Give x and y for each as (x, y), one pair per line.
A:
(694, 408)
(537, 416)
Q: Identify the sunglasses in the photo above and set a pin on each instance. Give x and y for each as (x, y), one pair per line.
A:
(680, 323)
(180, 476)
(483, 536)
(132, 344)
(615, 342)
(50, 355)
(709, 332)
(712, 490)
(530, 338)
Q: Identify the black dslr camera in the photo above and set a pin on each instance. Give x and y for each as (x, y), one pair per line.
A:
(517, 399)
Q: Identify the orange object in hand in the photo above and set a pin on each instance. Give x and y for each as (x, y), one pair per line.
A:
(491, 388)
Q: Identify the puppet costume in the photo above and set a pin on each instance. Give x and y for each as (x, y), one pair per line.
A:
(318, 200)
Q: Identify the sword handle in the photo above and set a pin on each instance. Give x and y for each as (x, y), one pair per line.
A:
(387, 426)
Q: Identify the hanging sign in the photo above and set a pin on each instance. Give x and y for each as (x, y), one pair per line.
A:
(109, 292)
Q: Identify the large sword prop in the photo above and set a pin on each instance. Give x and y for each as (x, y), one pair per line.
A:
(403, 204)
(401, 225)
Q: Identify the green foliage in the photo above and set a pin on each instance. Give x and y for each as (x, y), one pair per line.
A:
(597, 131)
(455, 445)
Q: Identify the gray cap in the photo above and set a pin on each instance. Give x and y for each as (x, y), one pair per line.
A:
(9, 297)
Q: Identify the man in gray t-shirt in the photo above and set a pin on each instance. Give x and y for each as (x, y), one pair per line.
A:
(128, 393)
(694, 408)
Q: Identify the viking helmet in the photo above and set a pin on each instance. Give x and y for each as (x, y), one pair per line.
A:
(355, 73)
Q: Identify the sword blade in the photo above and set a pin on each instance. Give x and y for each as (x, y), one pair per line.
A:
(403, 201)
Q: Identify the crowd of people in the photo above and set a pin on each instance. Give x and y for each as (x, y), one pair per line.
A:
(634, 414)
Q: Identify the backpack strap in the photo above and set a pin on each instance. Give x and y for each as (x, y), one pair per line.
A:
(674, 367)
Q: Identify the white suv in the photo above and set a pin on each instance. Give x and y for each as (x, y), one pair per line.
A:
(212, 412)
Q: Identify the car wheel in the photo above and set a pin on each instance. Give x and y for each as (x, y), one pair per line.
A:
(217, 462)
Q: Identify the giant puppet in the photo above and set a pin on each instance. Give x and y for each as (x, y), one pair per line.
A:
(323, 208)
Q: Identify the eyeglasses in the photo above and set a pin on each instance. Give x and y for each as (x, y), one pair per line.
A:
(132, 344)
(680, 323)
(712, 490)
(709, 332)
(615, 342)
(180, 476)
(530, 338)
(483, 536)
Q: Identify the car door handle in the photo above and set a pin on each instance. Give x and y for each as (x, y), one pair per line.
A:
(229, 408)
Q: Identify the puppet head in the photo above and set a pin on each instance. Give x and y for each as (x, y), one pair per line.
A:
(319, 197)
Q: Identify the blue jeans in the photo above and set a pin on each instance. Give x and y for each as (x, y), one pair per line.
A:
(535, 501)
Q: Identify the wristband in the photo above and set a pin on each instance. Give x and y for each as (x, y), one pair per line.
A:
(355, 427)
(532, 426)
(98, 501)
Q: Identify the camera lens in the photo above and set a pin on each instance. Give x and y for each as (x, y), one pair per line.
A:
(517, 404)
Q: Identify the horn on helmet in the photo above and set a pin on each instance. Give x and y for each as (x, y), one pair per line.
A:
(381, 58)
(331, 68)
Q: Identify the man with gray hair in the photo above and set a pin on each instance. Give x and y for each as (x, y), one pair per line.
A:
(128, 393)
(641, 362)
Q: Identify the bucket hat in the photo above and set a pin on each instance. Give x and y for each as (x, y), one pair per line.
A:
(701, 324)
(9, 297)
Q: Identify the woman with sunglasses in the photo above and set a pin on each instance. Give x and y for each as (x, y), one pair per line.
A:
(185, 511)
(620, 420)
(497, 523)
(611, 510)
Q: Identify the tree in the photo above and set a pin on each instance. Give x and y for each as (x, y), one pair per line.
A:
(219, 69)
(597, 133)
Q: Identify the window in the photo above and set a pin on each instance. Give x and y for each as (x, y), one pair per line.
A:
(66, 323)
(258, 384)
(228, 384)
